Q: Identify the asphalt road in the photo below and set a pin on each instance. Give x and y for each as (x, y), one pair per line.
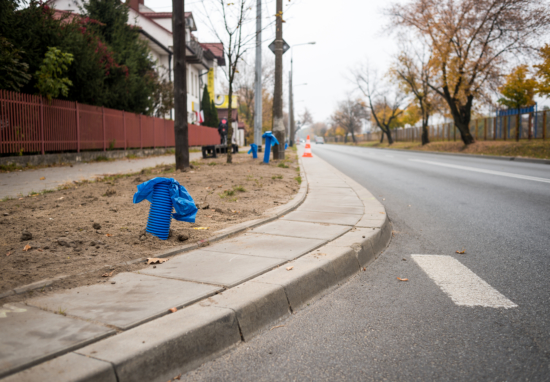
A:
(375, 327)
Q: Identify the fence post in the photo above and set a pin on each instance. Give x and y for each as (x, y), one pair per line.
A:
(42, 125)
(77, 128)
(495, 128)
(485, 129)
(529, 124)
(505, 127)
(165, 131)
(544, 125)
(124, 125)
(103, 123)
(140, 134)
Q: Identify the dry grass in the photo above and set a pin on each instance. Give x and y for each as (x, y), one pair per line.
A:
(538, 148)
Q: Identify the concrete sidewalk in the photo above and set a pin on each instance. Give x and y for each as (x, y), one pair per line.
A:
(18, 183)
(225, 293)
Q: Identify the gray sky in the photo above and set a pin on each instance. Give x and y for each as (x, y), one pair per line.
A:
(345, 32)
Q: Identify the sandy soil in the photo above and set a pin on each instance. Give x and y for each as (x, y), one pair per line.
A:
(87, 229)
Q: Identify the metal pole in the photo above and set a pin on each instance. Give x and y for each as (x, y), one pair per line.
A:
(181, 128)
(77, 128)
(278, 123)
(290, 107)
(258, 78)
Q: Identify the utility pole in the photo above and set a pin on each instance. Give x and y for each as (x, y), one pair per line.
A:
(180, 85)
(258, 78)
(290, 109)
(278, 124)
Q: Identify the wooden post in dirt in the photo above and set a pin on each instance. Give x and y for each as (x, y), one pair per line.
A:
(544, 125)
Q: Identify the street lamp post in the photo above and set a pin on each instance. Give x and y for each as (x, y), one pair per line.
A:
(291, 105)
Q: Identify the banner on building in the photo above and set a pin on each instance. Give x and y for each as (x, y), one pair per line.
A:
(222, 101)
(211, 81)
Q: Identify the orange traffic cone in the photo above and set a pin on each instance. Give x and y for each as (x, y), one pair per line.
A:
(307, 151)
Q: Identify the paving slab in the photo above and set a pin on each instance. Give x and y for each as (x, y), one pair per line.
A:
(256, 305)
(132, 300)
(227, 269)
(162, 349)
(30, 336)
(333, 207)
(322, 217)
(67, 368)
(302, 229)
(360, 240)
(349, 201)
(280, 247)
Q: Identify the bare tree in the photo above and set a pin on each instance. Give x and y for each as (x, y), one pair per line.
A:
(471, 41)
(350, 115)
(385, 102)
(236, 42)
(413, 72)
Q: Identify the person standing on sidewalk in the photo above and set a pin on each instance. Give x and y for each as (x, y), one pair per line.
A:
(222, 130)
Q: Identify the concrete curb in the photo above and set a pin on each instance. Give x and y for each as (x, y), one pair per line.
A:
(515, 159)
(270, 215)
(177, 343)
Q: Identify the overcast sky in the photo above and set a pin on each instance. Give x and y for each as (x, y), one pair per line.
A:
(346, 32)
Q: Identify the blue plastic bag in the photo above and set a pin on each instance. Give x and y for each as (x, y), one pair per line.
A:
(270, 140)
(253, 150)
(183, 203)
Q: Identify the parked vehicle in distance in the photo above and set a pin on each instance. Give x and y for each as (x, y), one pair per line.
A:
(319, 140)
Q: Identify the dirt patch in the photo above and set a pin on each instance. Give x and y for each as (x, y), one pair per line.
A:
(87, 228)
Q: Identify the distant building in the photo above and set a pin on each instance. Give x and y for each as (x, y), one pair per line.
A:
(156, 28)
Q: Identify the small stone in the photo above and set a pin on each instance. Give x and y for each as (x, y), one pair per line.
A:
(183, 237)
(92, 243)
(363, 237)
(110, 192)
(205, 206)
(404, 259)
(96, 226)
(113, 282)
(26, 235)
(64, 242)
(114, 209)
(6, 214)
(154, 266)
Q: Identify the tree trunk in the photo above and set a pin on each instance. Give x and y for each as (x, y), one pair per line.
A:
(382, 136)
(425, 137)
(353, 137)
(390, 139)
(278, 124)
(181, 136)
(230, 125)
(461, 116)
(518, 121)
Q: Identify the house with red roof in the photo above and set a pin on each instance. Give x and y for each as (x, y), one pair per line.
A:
(202, 59)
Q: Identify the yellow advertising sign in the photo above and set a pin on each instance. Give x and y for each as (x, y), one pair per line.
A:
(210, 83)
(222, 101)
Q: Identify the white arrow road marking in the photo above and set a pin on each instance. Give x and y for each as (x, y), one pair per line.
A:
(462, 285)
(499, 173)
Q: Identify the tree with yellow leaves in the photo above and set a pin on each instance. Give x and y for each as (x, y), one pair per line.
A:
(543, 72)
(471, 41)
(518, 91)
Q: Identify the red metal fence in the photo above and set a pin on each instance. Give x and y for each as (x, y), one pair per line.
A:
(31, 124)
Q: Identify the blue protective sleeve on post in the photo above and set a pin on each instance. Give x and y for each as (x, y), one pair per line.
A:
(253, 150)
(270, 140)
(181, 199)
(286, 145)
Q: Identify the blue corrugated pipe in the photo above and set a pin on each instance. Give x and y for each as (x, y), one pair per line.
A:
(160, 212)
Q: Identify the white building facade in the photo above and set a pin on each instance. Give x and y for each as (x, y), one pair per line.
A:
(156, 28)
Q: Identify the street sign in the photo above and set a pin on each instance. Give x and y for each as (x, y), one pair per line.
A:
(285, 46)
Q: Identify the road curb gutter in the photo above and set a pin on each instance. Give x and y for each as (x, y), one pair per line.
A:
(179, 342)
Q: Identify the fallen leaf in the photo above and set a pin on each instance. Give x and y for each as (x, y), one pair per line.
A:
(400, 279)
(40, 250)
(61, 198)
(173, 310)
(275, 327)
(383, 213)
(200, 227)
(108, 235)
(43, 178)
(107, 274)
(20, 198)
(364, 269)
(461, 252)
(9, 253)
(155, 260)
(27, 247)
(177, 377)
(289, 268)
